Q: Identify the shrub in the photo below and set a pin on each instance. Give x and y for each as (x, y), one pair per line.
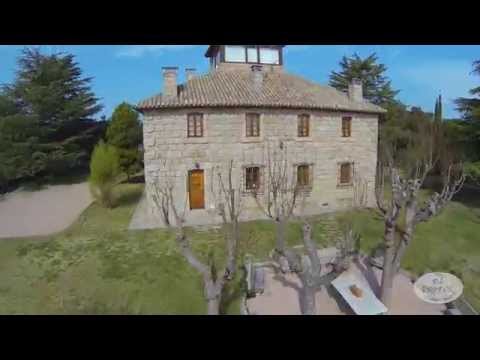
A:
(104, 170)
(125, 133)
(472, 171)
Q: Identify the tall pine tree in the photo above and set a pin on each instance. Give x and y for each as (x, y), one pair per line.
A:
(47, 118)
(377, 87)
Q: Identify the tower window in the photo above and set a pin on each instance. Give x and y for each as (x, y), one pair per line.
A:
(269, 56)
(235, 54)
(252, 55)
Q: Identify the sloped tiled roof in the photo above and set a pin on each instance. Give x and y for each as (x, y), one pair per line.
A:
(237, 89)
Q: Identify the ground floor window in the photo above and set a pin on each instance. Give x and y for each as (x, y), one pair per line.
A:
(252, 178)
(346, 174)
(304, 176)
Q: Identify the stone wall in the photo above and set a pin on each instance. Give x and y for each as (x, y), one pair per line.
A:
(165, 139)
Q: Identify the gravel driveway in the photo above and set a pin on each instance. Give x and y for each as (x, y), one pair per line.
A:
(43, 212)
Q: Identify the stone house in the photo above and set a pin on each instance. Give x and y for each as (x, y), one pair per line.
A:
(244, 102)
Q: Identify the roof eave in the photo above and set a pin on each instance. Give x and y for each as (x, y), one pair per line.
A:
(144, 109)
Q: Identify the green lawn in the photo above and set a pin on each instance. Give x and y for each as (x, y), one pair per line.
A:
(97, 266)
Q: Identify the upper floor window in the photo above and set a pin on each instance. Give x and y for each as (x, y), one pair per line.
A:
(347, 126)
(252, 123)
(304, 125)
(195, 125)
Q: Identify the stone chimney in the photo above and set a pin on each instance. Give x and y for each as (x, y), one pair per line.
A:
(355, 90)
(170, 82)
(258, 74)
(190, 73)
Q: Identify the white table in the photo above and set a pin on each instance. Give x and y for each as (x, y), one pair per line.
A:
(368, 304)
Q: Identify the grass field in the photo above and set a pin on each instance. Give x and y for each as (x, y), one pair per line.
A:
(98, 267)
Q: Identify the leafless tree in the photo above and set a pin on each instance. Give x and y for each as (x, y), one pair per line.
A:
(360, 192)
(159, 190)
(405, 196)
(227, 203)
(311, 273)
(281, 191)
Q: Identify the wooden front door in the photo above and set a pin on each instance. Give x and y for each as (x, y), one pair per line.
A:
(196, 189)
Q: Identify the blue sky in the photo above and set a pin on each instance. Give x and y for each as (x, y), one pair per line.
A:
(131, 73)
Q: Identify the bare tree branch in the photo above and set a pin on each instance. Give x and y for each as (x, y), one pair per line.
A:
(227, 204)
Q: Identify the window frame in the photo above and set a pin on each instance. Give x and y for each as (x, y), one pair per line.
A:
(279, 50)
(236, 46)
(347, 130)
(196, 118)
(246, 187)
(257, 54)
(248, 119)
(268, 48)
(309, 183)
(300, 125)
(351, 173)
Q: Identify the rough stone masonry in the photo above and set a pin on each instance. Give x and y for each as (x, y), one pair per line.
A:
(165, 138)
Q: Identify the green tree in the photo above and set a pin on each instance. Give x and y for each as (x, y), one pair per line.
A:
(124, 132)
(470, 110)
(46, 118)
(438, 114)
(377, 87)
(104, 171)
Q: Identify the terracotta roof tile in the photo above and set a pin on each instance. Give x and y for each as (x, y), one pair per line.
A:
(237, 89)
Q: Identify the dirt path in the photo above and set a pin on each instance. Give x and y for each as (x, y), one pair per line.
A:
(43, 212)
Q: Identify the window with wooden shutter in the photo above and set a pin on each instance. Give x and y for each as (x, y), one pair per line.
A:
(252, 178)
(346, 126)
(346, 173)
(252, 125)
(303, 176)
(304, 125)
(195, 125)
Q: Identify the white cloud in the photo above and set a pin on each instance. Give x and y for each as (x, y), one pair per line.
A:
(141, 50)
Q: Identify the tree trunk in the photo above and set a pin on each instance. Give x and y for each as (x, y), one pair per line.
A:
(232, 243)
(309, 301)
(410, 212)
(280, 235)
(388, 265)
(213, 307)
(311, 249)
(213, 292)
